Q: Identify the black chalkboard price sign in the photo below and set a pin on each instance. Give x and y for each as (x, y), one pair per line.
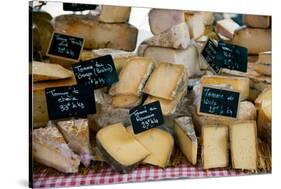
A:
(99, 72)
(78, 7)
(70, 101)
(209, 52)
(232, 57)
(219, 102)
(146, 117)
(65, 47)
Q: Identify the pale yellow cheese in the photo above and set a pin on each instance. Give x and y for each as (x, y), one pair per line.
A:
(214, 146)
(186, 138)
(263, 64)
(114, 14)
(132, 77)
(196, 25)
(241, 84)
(45, 71)
(243, 145)
(125, 101)
(165, 80)
(158, 142)
(227, 27)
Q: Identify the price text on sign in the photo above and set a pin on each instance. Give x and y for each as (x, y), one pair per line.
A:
(98, 72)
(219, 102)
(146, 117)
(65, 46)
(209, 52)
(70, 101)
(232, 57)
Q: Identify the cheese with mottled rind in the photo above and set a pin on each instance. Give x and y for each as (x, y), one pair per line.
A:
(114, 14)
(243, 145)
(186, 138)
(158, 142)
(49, 148)
(77, 135)
(119, 148)
(214, 146)
(132, 77)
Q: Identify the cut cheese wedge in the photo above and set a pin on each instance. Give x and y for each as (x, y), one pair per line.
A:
(158, 142)
(125, 101)
(196, 25)
(176, 37)
(243, 145)
(114, 14)
(227, 27)
(188, 57)
(49, 148)
(45, 71)
(133, 77)
(241, 84)
(165, 80)
(161, 20)
(256, 21)
(186, 138)
(76, 134)
(214, 146)
(119, 148)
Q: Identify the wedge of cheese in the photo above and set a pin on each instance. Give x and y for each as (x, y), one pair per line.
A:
(186, 138)
(133, 77)
(49, 148)
(256, 21)
(175, 37)
(227, 27)
(243, 145)
(168, 107)
(165, 81)
(188, 57)
(255, 40)
(263, 64)
(98, 34)
(241, 84)
(46, 71)
(40, 111)
(114, 14)
(161, 20)
(119, 148)
(158, 142)
(77, 135)
(214, 146)
(125, 101)
(196, 25)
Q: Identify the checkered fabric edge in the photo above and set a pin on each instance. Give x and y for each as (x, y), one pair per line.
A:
(148, 173)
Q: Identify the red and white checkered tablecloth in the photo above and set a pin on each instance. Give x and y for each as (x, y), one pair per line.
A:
(147, 173)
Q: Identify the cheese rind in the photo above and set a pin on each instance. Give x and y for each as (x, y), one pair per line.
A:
(119, 148)
(175, 37)
(158, 142)
(186, 138)
(49, 148)
(227, 27)
(161, 20)
(114, 14)
(46, 71)
(159, 85)
(243, 144)
(77, 135)
(188, 57)
(125, 101)
(214, 146)
(241, 84)
(132, 77)
(263, 64)
(256, 21)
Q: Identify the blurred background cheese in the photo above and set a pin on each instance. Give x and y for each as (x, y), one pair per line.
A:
(186, 138)
(243, 145)
(256, 21)
(158, 142)
(214, 146)
(114, 14)
(263, 64)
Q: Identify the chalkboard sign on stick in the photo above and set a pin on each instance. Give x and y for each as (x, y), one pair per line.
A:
(65, 47)
(70, 101)
(219, 102)
(232, 57)
(146, 117)
(209, 52)
(99, 72)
